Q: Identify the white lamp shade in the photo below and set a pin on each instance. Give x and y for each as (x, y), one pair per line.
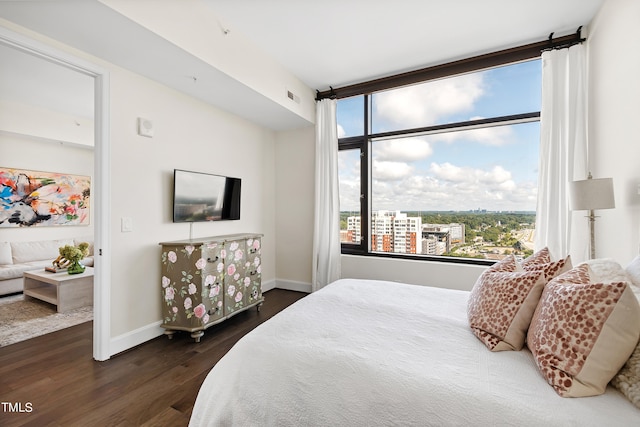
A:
(591, 194)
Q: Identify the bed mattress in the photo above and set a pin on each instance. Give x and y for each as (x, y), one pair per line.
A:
(376, 353)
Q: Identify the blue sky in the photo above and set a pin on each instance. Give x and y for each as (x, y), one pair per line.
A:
(493, 169)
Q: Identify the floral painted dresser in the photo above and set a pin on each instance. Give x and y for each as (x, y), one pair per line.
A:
(207, 280)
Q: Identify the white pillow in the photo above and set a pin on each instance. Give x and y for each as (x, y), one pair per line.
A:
(633, 269)
(607, 270)
(5, 253)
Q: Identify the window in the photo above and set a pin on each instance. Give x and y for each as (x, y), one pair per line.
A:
(443, 168)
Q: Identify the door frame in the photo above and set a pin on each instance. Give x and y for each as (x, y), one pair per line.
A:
(102, 174)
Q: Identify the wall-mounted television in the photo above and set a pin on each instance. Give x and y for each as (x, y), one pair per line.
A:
(199, 197)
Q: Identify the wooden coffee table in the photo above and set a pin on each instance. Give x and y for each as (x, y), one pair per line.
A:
(66, 291)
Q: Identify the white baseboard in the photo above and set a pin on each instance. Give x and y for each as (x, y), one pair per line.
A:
(292, 285)
(267, 286)
(136, 337)
(146, 333)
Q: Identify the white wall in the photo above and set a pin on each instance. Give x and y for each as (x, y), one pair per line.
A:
(295, 151)
(614, 75)
(294, 227)
(189, 134)
(439, 274)
(40, 122)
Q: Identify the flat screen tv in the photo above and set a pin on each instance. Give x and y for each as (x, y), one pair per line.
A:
(199, 197)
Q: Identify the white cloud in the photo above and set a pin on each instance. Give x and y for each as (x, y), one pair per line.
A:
(449, 187)
(402, 150)
(391, 171)
(428, 103)
(341, 132)
(493, 136)
(446, 171)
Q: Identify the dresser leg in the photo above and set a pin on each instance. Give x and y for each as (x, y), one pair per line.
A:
(196, 335)
(169, 333)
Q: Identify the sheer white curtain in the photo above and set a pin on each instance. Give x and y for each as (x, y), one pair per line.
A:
(563, 151)
(326, 230)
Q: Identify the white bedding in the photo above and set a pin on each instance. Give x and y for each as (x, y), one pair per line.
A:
(374, 353)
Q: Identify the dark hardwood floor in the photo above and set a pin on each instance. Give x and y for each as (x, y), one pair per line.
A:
(53, 380)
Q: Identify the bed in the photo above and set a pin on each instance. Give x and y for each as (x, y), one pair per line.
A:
(374, 353)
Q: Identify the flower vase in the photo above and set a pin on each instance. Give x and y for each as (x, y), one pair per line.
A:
(75, 268)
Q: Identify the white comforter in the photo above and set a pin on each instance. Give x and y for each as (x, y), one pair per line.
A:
(373, 353)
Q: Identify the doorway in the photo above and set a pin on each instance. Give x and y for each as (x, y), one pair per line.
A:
(76, 68)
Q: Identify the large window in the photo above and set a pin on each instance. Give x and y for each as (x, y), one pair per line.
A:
(444, 168)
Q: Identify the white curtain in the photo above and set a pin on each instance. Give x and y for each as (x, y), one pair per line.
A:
(563, 152)
(326, 230)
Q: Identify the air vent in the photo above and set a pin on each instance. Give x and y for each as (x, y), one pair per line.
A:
(292, 96)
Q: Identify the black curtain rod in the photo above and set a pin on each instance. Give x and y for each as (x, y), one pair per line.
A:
(488, 60)
(554, 45)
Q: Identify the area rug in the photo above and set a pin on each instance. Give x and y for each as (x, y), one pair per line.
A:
(22, 319)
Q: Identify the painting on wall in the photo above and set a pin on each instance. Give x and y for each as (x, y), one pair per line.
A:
(34, 198)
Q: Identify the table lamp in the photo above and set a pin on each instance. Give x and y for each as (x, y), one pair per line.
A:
(590, 194)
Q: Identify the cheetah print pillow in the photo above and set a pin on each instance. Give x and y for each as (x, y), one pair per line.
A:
(551, 269)
(501, 305)
(508, 264)
(583, 331)
(541, 257)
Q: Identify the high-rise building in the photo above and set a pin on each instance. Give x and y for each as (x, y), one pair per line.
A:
(407, 236)
(353, 230)
(382, 231)
(394, 231)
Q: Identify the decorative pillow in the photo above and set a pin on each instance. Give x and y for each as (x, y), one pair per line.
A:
(5, 253)
(582, 332)
(541, 257)
(607, 270)
(508, 264)
(501, 305)
(633, 269)
(551, 269)
(627, 380)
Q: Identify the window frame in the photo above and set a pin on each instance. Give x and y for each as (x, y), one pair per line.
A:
(363, 142)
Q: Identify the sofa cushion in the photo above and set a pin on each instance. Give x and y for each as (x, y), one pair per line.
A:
(5, 253)
(15, 271)
(37, 250)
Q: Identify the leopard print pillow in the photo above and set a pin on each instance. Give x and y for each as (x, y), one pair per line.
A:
(582, 332)
(550, 269)
(541, 257)
(501, 305)
(508, 263)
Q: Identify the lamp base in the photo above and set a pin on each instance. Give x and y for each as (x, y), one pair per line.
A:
(592, 244)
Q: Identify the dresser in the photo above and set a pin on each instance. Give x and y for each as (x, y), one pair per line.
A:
(207, 280)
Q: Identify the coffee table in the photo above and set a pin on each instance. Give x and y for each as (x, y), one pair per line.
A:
(66, 291)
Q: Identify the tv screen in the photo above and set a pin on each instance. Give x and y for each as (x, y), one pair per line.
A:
(199, 197)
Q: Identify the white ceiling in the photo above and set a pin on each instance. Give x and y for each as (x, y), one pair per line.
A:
(324, 43)
(339, 42)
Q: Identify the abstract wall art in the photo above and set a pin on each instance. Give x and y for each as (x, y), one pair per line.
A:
(34, 198)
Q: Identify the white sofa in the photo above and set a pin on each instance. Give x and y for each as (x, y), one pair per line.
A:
(18, 257)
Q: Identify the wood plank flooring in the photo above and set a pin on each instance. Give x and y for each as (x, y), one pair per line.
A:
(154, 384)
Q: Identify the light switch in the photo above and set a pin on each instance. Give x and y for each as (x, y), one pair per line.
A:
(126, 224)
